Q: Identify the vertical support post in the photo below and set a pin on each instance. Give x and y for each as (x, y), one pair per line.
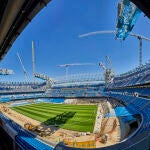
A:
(67, 72)
(140, 52)
(33, 62)
(140, 55)
(14, 145)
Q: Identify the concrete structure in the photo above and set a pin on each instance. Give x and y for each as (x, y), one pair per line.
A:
(14, 17)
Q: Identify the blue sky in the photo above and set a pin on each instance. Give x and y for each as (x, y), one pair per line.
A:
(55, 31)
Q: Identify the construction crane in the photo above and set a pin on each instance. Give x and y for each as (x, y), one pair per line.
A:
(23, 68)
(75, 64)
(139, 37)
(108, 72)
(103, 66)
(110, 64)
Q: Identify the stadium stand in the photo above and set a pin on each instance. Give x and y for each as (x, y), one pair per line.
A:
(123, 89)
(136, 81)
(47, 100)
(10, 87)
(15, 97)
(20, 103)
(24, 139)
(129, 91)
(141, 91)
(138, 76)
(81, 90)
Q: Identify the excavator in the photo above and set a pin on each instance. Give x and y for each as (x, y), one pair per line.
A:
(37, 129)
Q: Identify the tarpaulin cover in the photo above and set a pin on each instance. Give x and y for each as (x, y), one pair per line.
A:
(121, 111)
(128, 118)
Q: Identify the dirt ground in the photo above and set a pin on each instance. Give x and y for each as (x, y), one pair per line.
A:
(56, 135)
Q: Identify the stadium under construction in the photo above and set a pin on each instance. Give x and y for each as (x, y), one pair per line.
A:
(101, 111)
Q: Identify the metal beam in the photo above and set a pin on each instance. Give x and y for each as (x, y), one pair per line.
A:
(9, 17)
(143, 5)
(16, 16)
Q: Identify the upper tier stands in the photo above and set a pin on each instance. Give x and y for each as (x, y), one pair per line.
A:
(9, 87)
(141, 91)
(138, 76)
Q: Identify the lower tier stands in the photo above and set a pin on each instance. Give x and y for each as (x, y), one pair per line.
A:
(23, 138)
(142, 105)
(15, 97)
(50, 100)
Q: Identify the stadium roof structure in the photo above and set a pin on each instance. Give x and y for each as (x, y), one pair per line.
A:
(143, 5)
(14, 17)
(79, 79)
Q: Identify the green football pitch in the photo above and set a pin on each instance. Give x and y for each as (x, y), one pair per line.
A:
(71, 117)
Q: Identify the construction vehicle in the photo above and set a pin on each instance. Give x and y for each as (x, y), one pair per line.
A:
(36, 129)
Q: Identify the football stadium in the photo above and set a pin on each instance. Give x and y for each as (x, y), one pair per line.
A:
(98, 111)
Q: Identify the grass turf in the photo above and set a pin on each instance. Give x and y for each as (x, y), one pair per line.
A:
(71, 117)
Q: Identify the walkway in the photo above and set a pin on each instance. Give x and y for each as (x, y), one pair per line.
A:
(98, 119)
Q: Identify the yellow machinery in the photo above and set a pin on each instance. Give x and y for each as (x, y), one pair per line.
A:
(36, 129)
(84, 144)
